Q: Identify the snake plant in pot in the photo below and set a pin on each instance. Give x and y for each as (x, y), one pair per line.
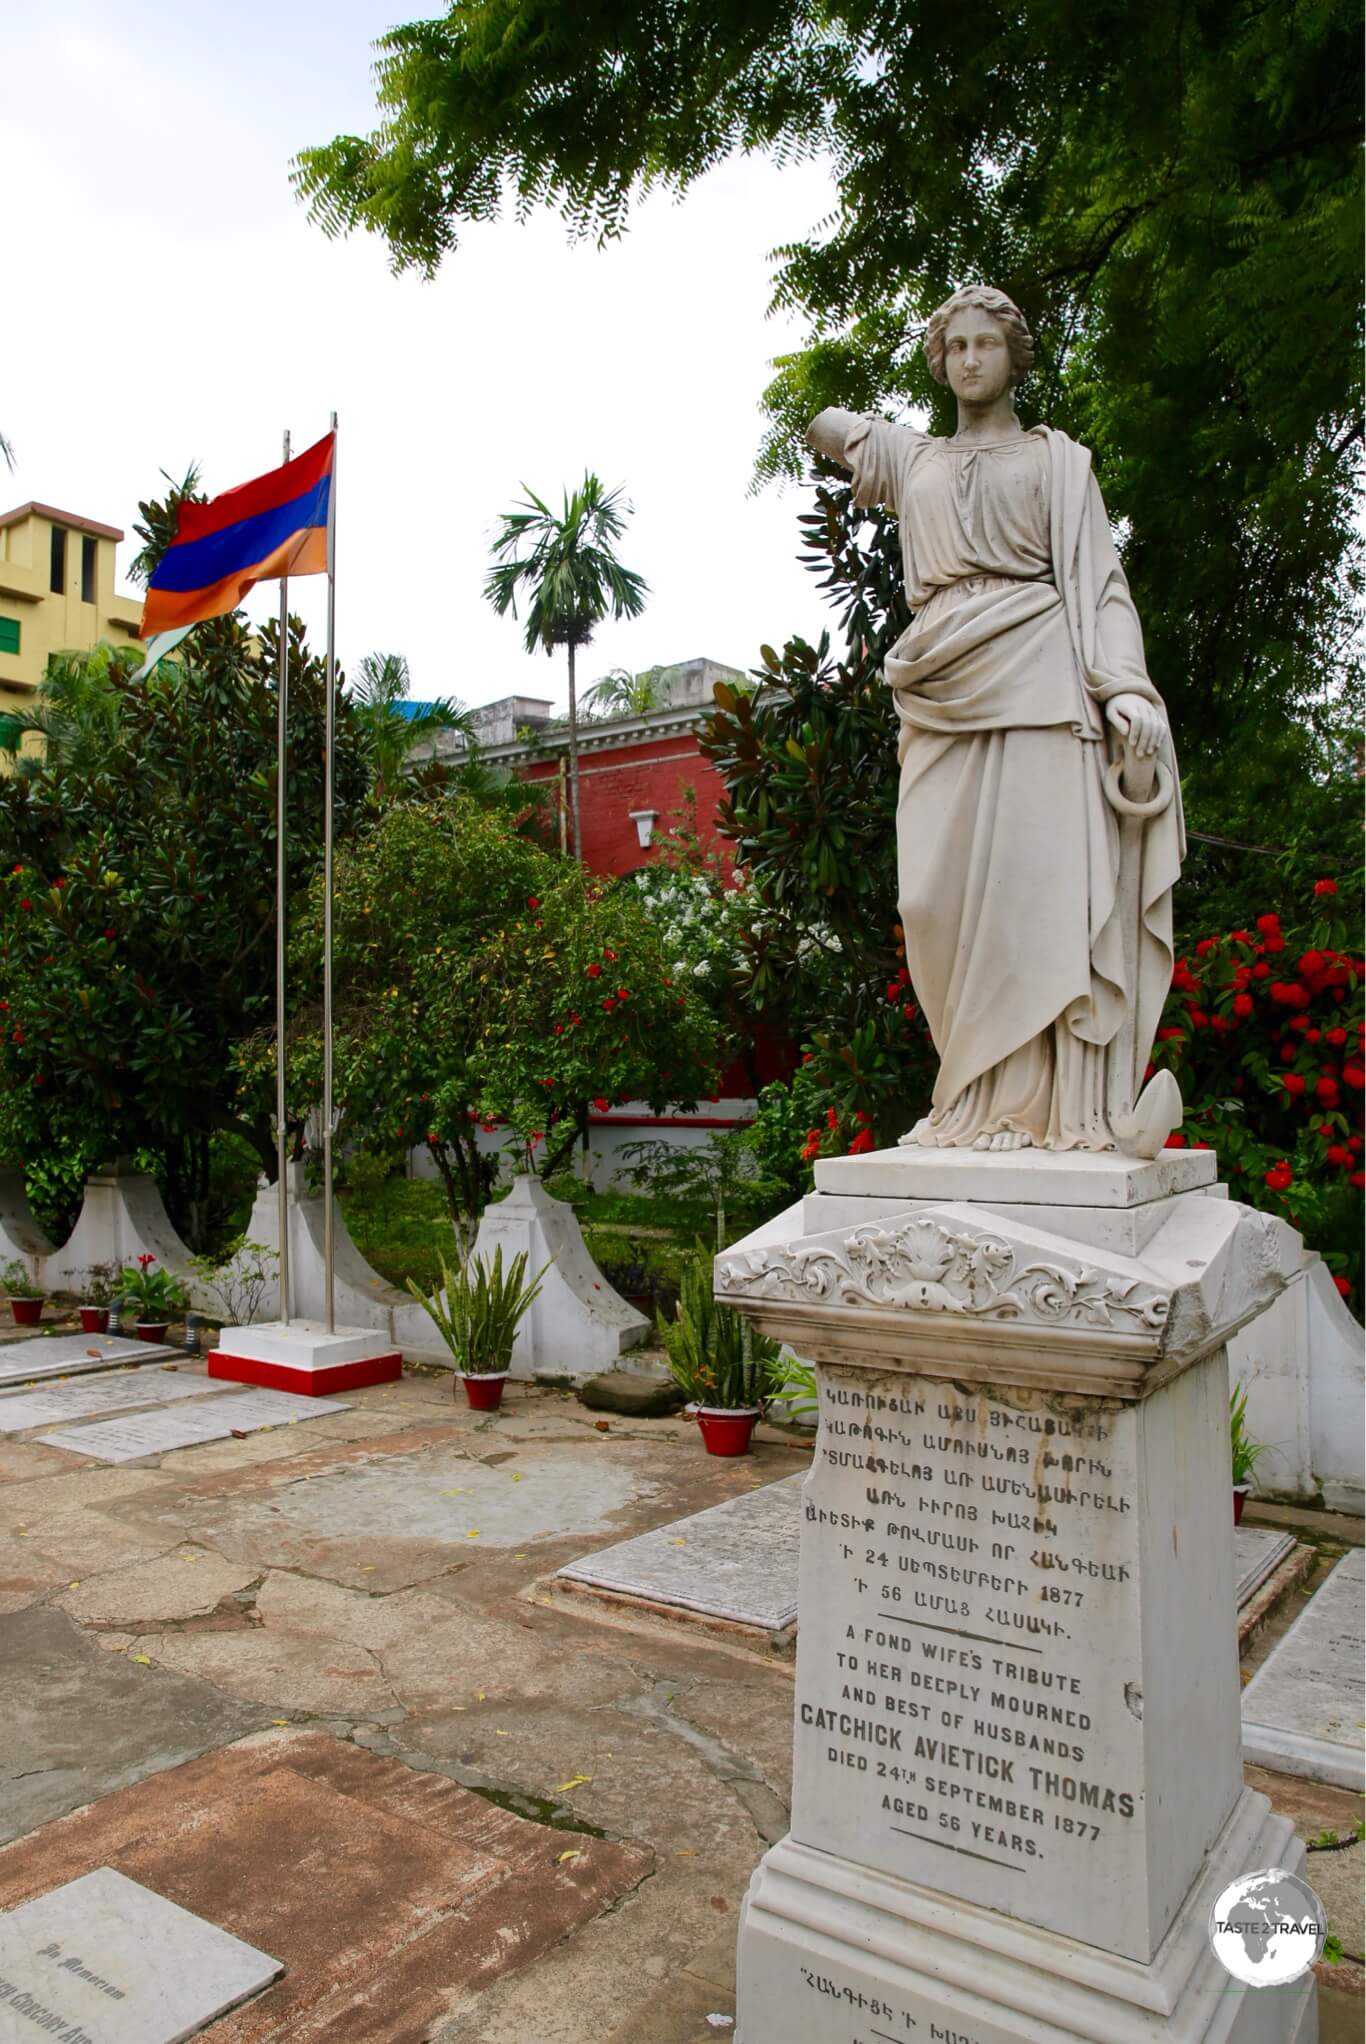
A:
(1244, 1451)
(477, 1309)
(727, 1371)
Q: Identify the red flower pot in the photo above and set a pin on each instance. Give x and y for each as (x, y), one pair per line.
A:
(1240, 1491)
(27, 1312)
(152, 1330)
(94, 1319)
(726, 1431)
(484, 1388)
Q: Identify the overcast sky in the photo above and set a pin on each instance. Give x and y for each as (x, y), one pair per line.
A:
(171, 303)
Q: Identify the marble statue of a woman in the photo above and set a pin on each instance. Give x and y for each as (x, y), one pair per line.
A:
(1039, 828)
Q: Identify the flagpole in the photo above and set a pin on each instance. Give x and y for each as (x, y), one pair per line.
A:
(281, 876)
(329, 1245)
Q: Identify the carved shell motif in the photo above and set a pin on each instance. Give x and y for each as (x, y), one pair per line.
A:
(927, 1265)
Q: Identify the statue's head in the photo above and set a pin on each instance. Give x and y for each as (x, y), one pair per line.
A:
(967, 310)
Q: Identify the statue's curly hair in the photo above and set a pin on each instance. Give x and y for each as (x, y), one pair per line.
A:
(983, 298)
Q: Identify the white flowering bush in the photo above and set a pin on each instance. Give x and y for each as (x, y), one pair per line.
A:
(701, 922)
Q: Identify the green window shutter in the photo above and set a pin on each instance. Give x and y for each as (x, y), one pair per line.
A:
(9, 635)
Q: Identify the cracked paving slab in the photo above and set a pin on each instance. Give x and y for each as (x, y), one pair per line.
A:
(272, 1669)
(80, 1721)
(184, 1583)
(433, 1652)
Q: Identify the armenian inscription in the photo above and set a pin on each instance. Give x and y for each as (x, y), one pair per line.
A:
(969, 1709)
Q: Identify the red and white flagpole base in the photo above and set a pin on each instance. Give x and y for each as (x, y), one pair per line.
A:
(302, 1356)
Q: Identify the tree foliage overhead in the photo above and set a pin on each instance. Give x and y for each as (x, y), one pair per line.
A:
(1171, 194)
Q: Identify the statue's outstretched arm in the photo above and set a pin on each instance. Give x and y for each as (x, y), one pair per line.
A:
(829, 433)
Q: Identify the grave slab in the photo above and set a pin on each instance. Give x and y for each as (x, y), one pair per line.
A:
(387, 1892)
(737, 1560)
(120, 1964)
(215, 1419)
(1302, 1710)
(1257, 1552)
(63, 1355)
(115, 1391)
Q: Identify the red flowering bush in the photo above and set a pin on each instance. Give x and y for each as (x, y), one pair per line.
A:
(1272, 1064)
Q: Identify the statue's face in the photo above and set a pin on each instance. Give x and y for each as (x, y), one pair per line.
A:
(976, 355)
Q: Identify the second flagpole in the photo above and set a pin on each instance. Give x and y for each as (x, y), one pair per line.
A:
(329, 1245)
(281, 881)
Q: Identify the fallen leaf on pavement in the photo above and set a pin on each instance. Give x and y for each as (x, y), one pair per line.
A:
(143, 1660)
(574, 1781)
(564, 1856)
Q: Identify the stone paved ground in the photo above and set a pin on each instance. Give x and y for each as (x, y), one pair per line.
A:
(317, 1682)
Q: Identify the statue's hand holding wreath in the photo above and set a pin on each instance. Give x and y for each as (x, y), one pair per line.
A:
(1139, 723)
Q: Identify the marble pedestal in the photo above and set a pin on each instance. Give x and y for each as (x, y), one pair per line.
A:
(304, 1357)
(1018, 1784)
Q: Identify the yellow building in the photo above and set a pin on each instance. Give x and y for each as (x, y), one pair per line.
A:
(56, 594)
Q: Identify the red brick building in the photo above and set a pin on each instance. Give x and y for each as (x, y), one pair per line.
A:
(637, 773)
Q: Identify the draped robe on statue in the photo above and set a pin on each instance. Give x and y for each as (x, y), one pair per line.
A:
(1008, 850)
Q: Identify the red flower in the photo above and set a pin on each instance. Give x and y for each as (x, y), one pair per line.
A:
(1199, 1019)
(432, 1137)
(1280, 1177)
(1242, 1004)
(1337, 1037)
(26, 903)
(16, 869)
(1290, 994)
(863, 1118)
(1325, 887)
(1172, 1035)
(1358, 1179)
(1240, 937)
(18, 1036)
(59, 882)
(1344, 1285)
(862, 1141)
(559, 1029)
(1269, 925)
(1202, 949)
(547, 1082)
(1289, 1053)
(1261, 971)
(832, 1119)
(610, 955)
(111, 934)
(143, 1261)
(608, 1005)
(1340, 1155)
(1199, 1146)
(811, 1149)
(398, 1131)
(594, 970)
(601, 1104)
(1273, 944)
(1327, 1091)
(1293, 1084)
(1353, 1076)
(533, 901)
(808, 1057)
(1175, 1141)
(623, 993)
(574, 1021)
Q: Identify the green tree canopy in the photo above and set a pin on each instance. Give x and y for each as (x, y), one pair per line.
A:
(1173, 196)
(137, 883)
(481, 980)
(390, 727)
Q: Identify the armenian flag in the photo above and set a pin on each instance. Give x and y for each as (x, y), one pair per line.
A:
(280, 524)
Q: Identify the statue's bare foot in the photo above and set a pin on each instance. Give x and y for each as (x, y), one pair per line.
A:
(922, 1134)
(1011, 1139)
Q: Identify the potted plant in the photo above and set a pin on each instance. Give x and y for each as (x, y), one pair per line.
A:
(1246, 1453)
(158, 1296)
(726, 1370)
(477, 1309)
(99, 1295)
(25, 1297)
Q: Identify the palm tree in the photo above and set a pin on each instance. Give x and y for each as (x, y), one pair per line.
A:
(622, 694)
(391, 726)
(571, 580)
(77, 712)
(6, 452)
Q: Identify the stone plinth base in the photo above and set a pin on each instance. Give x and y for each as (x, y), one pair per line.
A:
(834, 1953)
(303, 1357)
